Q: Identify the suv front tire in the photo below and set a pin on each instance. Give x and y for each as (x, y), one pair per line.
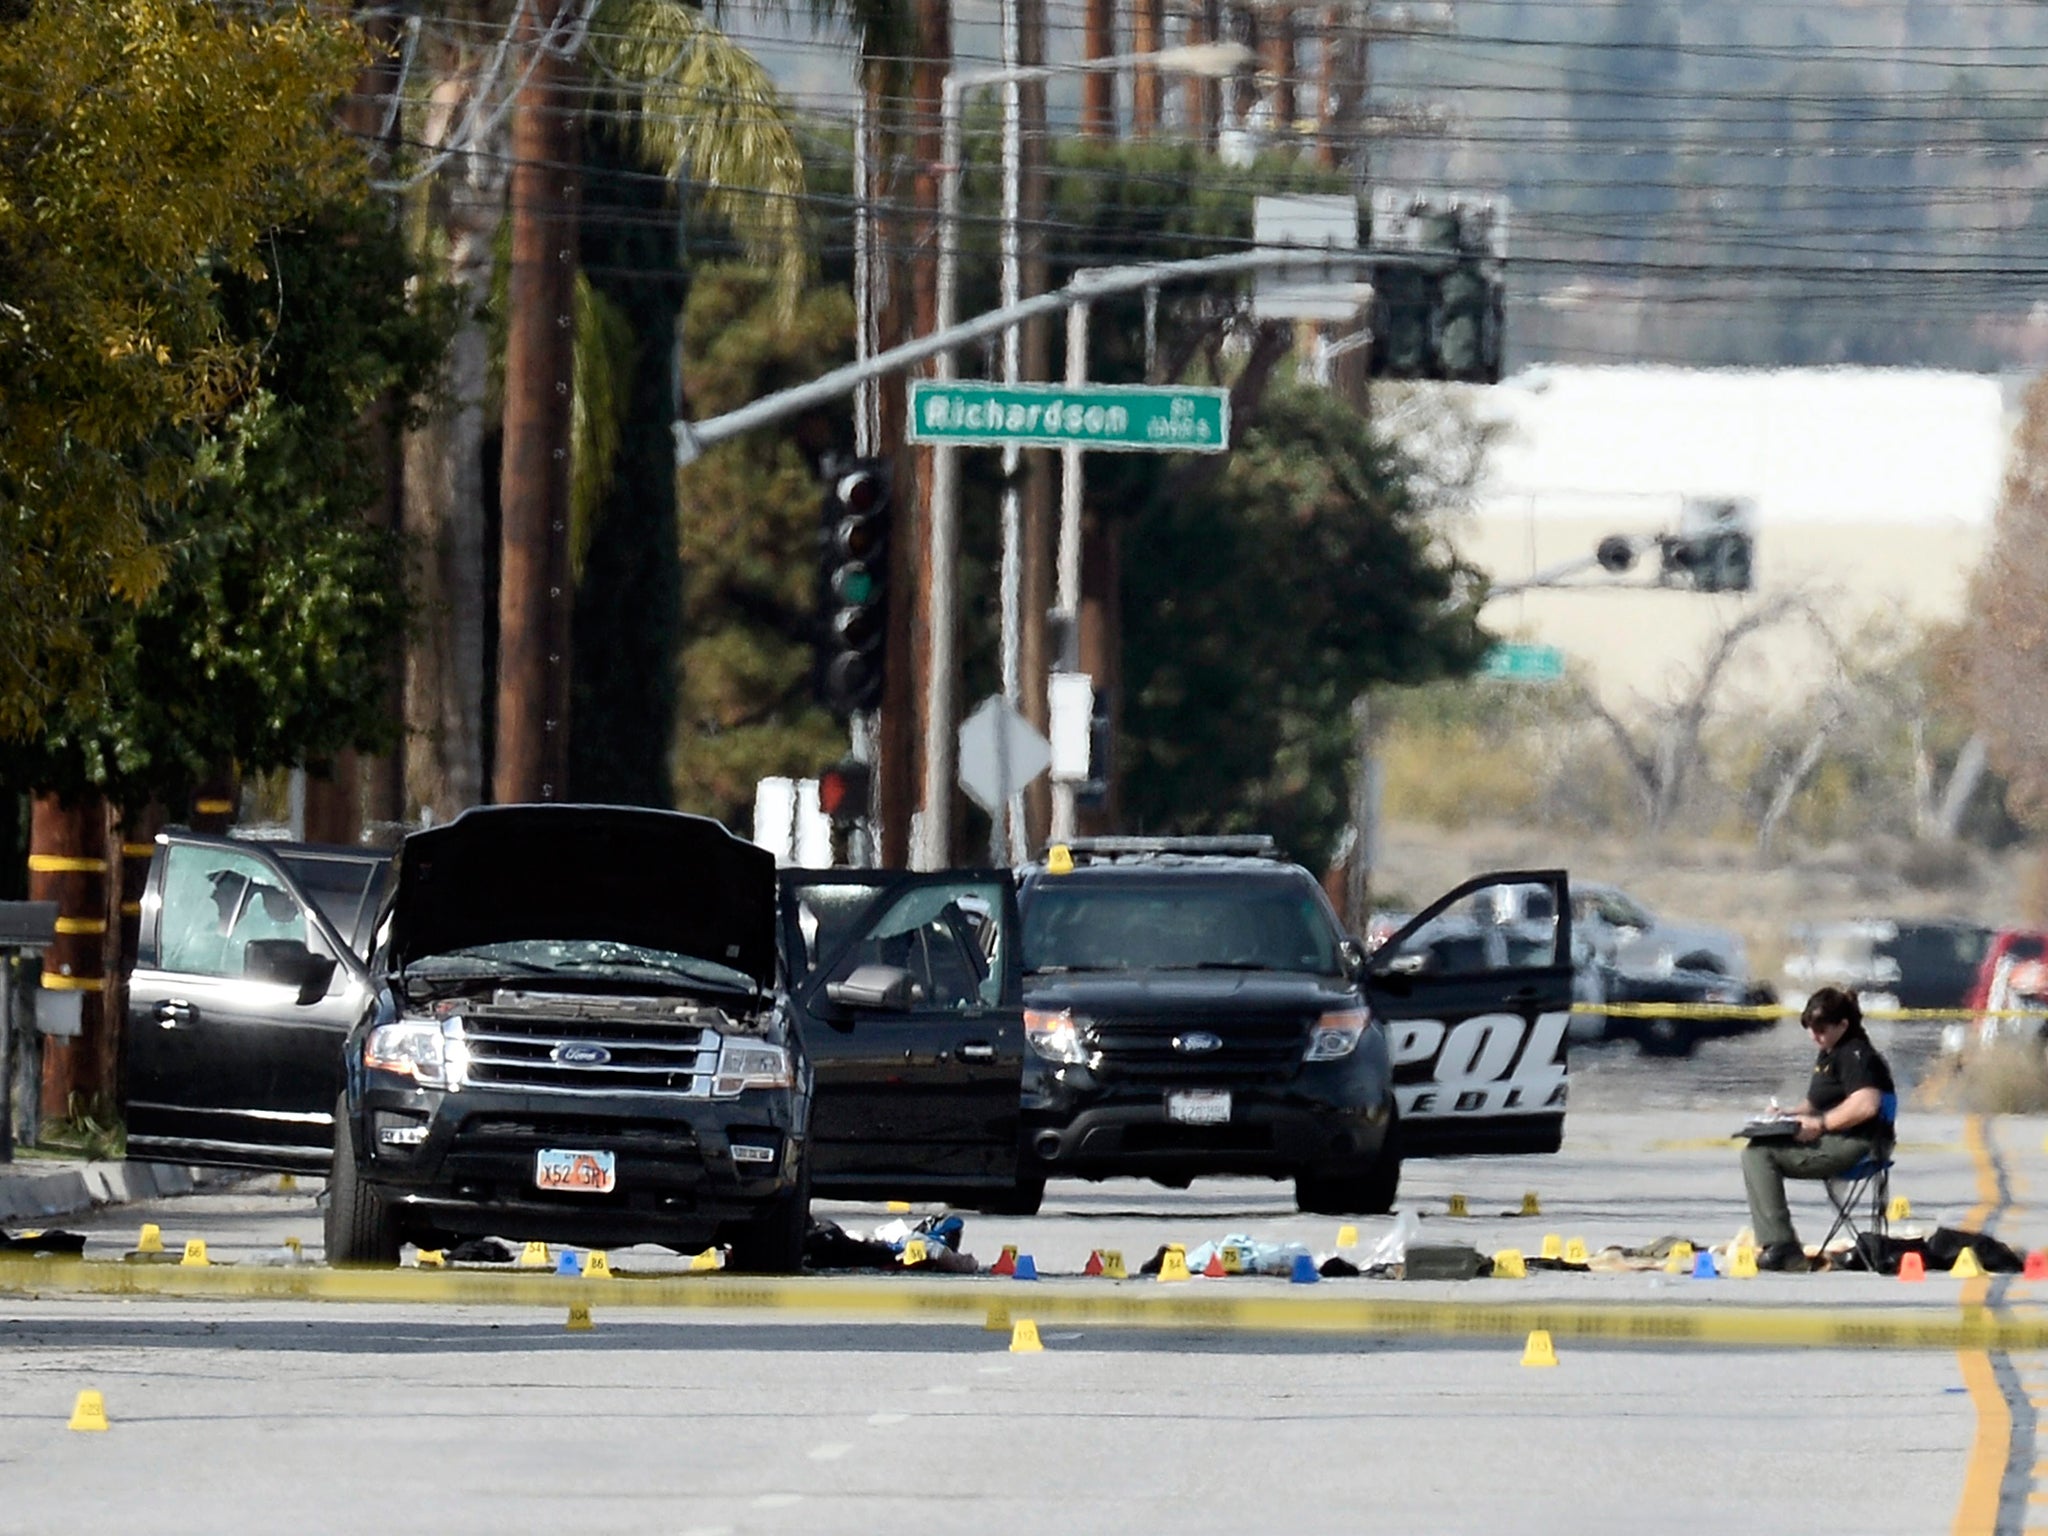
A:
(360, 1229)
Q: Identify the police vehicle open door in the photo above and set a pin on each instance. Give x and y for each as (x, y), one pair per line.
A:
(908, 991)
(1475, 992)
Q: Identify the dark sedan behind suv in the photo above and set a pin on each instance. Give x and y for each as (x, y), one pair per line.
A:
(1194, 1007)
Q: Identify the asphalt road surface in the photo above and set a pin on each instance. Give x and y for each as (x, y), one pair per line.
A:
(313, 1417)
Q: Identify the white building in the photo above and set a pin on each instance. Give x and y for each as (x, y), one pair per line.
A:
(1874, 491)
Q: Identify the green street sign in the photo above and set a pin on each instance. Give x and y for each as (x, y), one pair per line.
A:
(1119, 417)
(1515, 663)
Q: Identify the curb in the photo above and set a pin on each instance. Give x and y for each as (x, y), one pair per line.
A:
(63, 1192)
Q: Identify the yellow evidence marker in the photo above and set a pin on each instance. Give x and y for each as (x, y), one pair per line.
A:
(89, 1412)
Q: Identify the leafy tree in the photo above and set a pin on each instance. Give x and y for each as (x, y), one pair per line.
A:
(1257, 607)
(2008, 626)
(149, 148)
(750, 524)
(270, 636)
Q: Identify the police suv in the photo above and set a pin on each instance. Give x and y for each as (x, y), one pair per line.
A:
(1194, 1007)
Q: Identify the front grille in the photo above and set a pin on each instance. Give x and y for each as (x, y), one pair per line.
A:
(653, 1139)
(588, 1046)
(1260, 1048)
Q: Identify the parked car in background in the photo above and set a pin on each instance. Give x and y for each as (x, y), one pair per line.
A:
(1677, 1033)
(1630, 937)
(2013, 975)
(1621, 954)
(1928, 963)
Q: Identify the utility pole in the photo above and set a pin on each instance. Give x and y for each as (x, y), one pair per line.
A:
(930, 838)
(897, 726)
(535, 593)
(1035, 531)
(1276, 62)
(1148, 28)
(1201, 97)
(67, 864)
(1098, 89)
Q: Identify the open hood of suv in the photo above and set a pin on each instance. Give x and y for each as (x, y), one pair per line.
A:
(654, 878)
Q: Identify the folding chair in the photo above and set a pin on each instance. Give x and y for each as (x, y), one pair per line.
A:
(1862, 1196)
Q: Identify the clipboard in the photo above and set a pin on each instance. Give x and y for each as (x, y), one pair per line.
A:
(1771, 1128)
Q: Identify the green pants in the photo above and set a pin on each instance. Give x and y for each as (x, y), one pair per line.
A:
(1766, 1165)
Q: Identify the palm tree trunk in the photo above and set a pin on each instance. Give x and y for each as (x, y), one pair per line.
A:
(445, 509)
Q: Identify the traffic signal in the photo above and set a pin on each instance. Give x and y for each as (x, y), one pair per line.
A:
(1723, 561)
(1441, 313)
(844, 792)
(856, 579)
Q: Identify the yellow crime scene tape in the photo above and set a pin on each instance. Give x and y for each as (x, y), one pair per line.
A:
(1781, 1011)
(1135, 1304)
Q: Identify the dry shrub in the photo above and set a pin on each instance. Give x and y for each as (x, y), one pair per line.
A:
(1928, 865)
(1453, 776)
(2008, 1077)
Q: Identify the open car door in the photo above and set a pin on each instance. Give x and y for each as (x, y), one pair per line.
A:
(908, 991)
(251, 967)
(1476, 992)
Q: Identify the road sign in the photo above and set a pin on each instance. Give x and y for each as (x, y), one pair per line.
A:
(1128, 417)
(1331, 221)
(1516, 663)
(1000, 753)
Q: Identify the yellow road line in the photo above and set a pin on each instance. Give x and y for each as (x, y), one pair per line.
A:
(1978, 1511)
(1144, 1304)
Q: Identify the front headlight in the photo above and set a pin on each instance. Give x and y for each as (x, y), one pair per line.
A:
(1336, 1034)
(1055, 1036)
(412, 1048)
(750, 1064)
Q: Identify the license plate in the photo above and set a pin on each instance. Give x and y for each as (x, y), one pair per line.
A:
(1199, 1106)
(589, 1173)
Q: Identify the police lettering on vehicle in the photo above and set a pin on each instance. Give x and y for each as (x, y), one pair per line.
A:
(1492, 1064)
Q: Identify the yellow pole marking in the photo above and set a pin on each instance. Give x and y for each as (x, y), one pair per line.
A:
(56, 983)
(65, 864)
(81, 925)
(213, 807)
(1978, 1510)
(137, 850)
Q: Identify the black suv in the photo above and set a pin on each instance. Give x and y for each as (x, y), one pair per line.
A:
(1193, 1006)
(590, 1024)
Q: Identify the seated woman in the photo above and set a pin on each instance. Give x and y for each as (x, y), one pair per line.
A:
(1841, 1122)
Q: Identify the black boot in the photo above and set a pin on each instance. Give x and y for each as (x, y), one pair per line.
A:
(1786, 1256)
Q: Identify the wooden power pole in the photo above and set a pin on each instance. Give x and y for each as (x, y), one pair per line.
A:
(535, 592)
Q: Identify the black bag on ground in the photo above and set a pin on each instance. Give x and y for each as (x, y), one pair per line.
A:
(1947, 1245)
(1938, 1251)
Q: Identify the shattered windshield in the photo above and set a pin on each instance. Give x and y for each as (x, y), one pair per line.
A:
(577, 957)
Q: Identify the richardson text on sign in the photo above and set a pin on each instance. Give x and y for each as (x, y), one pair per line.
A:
(1127, 417)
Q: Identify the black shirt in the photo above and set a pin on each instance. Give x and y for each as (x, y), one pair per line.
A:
(1854, 1063)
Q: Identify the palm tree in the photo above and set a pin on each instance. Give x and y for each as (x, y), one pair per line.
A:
(668, 93)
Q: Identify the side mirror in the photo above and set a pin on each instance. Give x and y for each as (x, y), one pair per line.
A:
(1352, 950)
(874, 986)
(288, 963)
